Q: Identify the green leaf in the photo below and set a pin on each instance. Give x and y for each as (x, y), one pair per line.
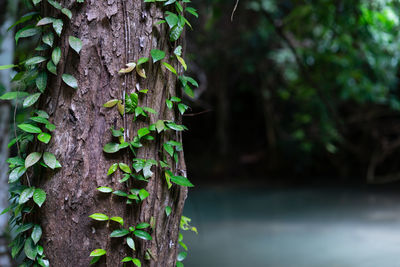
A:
(142, 225)
(30, 249)
(182, 61)
(67, 12)
(150, 110)
(41, 81)
(143, 194)
(192, 11)
(168, 210)
(157, 55)
(182, 108)
(36, 233)
(180, 180)
(94, 260)
(179, 264)
(169, 103)
(137, 262)
(50, 160)
(51, 67)
(172, 19)
(27, 31)
(143, 131)
(182, 255)
(16, 174)
(178, 50)
(130, 243)
(30, 100)
(99, 217)
(55, 4)
(26, 195)
(170, 68)
(111, 148)
(58, 26)
(175, 99)
(160, 126)
(112, 169)
(56, 55)
(175, 32)
(24, 18)
(40, 250)
(120, 193)
(5, 67)
(105, 189)
(24, 227)
(127, 259)
(124, 167)
(48, 39)
(44, 137)
(70, 80)
(39, 196)
(142, 61)
(118, 220)
(119, 233)
(32, 159)
(35, 60)
(142, 234)
(97, 252)
(169, 149)
(13, 95)
(45, 21)
(75, 43)
(110, 103)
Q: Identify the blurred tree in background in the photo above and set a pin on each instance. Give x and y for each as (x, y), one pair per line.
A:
(299, 87)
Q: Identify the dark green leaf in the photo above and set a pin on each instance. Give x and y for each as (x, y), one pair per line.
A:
(157, 55)
(48, 39)
(67, 12)
(30, 249)
(16, 174)
(70, 80)
(35, 60)
(51, 67)
(180, 180)
(168, 210)
(45, 21)
(41, 81)
(13, 95)
(142, 234)
(36, 233)
(56, 55)
(58, 26)
(27, 31)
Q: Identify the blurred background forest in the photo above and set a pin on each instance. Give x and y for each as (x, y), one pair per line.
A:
(296, 123)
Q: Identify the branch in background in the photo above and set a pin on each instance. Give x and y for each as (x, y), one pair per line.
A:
(234, 9)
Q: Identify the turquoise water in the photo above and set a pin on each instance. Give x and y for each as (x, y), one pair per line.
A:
(294, 227)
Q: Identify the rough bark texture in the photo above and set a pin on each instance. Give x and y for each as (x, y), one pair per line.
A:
(113, 33)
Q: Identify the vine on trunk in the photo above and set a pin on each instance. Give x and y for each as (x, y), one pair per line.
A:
(33, 158)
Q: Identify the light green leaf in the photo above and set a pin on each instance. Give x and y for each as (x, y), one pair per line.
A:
(48, 39)
(142, 61)
(124, 167)
(36, 233)
(32, 159)
(160, 126)
(182, 61)
(5, 67)
(182, 255)
(70, 80)
(34, 60)
(180, 180)
(41, 81)
(110, 103)
(39, 196)
(172, 19)
(130, 243)
(119, 233)
(67, 12)
(75, 43)
(30, 100)
(137, 262)
(142, 234)
(112, 169)
(55, 4)
(99, 217)
(168, 210)
(182, 108)
(111, 148)
(50, 160)
(26, 195)
(169, 67)
(143, 131)
(118, 220)
(178, 50)
(13, 95)
(45, 21)
(16, 174)
(44, 137)
(157, 55)
(143, 194)
(105, 189)
(97, 252)
(169, 149)
(58, 26)
(127, 259)
(30, 249)
(56, 55)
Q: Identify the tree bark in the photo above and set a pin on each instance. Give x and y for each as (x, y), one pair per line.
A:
(113, 33)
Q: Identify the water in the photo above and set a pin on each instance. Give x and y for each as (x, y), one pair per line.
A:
(293, 227)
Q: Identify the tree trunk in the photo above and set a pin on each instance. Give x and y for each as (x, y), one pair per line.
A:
(113, 33)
